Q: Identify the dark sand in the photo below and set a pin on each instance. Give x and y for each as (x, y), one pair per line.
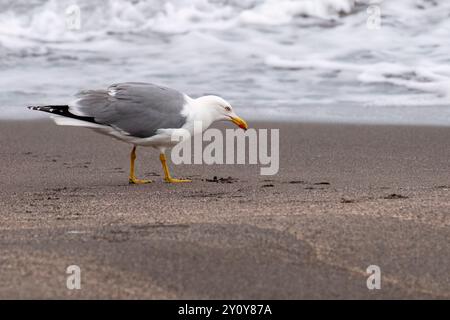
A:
(309, 232)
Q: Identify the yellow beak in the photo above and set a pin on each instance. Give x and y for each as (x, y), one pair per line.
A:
(239, 122)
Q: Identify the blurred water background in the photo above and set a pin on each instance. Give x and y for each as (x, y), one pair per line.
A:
(304, 60)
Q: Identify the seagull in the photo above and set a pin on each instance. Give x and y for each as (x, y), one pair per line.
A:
(142, 114)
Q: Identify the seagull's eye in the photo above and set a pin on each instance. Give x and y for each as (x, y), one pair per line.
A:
(227, 108)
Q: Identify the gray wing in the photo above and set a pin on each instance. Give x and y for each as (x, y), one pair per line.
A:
(138, 109)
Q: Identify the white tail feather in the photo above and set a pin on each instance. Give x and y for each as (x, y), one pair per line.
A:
(63, 121)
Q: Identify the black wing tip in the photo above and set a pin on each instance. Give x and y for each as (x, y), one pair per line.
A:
(51, 109)
(61, 110)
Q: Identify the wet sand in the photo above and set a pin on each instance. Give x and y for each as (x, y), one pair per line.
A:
(346, 197)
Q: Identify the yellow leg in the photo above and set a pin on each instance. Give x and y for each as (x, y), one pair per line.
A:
(132, 179)
(167, 176)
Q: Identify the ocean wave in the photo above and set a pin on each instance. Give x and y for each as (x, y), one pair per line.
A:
(258, 53)
(47, 19)
(276, 12)
(425, 78)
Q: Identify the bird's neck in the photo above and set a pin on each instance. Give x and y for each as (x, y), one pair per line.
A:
(198, 113)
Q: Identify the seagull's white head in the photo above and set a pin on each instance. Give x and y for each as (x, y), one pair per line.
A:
(215, 109)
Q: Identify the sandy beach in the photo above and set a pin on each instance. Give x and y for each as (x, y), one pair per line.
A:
(346, 197)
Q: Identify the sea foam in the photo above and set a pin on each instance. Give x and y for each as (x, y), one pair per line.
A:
(285, 58)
